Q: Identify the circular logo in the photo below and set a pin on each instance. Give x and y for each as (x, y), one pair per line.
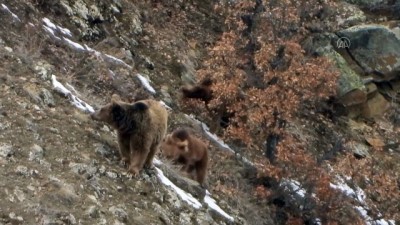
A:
(343, 42)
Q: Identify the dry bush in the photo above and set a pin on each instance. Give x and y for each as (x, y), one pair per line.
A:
(30, 45)
(286, 78)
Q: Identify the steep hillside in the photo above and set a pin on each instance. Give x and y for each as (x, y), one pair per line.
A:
(62, 59)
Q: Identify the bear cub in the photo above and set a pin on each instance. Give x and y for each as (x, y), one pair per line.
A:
(141, 127)
(185, 149)
(200, 91)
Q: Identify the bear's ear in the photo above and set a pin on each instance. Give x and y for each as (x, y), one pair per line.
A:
(140, 106)
(115, 98)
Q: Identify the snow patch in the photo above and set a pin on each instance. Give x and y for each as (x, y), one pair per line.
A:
(72, 89)
(217, 140)
(77, 102)
(51, 31)
(359, 195)
(206, 129)
(9, 11)
(74, 45)
(54, 27)
(212, 204)
(295, 187)
(49, 23)
(182, 194)
(188, 197)
(95, 52)
(146, 83)
(116, 60)
(51, 28)
(64, 31)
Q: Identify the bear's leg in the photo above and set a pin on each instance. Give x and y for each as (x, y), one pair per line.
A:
(138, 157)
(187, 167)
(124, 150)
(149, 160)
(201, 170)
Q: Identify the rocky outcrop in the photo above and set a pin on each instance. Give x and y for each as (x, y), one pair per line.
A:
(349, 15)
(375, 48)
(365, 2)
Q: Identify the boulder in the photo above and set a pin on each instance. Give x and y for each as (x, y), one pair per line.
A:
(350, 89)
(375, 48)
(367, 3)
(376, 106)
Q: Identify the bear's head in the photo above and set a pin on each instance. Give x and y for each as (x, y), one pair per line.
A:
(175, 144)
(120, 115)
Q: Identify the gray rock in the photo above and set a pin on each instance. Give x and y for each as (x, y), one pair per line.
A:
(80, 9)
(349, 80)
(68, 219)
(14, 216)
(119, 213)
(202, 218)
(369, 3)
(5, 125)
(78, 168)
(43, 70)
(376, 48)
(36, 153)
(8, 49)
(91, 170)
(19, 194)
(83, 169)
(117, 222)
(166, 97)
(80, 13)
(148, 64)
(93, 212)
(54, 130)
(104, 150)
(6, 150)
(47, 97)
(186, 69)
(111, 175)
(102, 170)
(22, 170)
(360, 150)
(136, 24)
(163, 214)
(102, 221)
(184, 219)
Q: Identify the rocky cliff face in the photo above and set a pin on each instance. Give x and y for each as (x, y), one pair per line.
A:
(60, 59)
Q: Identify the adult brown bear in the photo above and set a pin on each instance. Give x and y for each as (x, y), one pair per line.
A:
(141, 126)
(183, 148)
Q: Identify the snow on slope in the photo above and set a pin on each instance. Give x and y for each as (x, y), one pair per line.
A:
(77, 102)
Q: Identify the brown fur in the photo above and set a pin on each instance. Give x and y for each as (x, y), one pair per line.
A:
(200, 91)
(183, 148)
(141, 126)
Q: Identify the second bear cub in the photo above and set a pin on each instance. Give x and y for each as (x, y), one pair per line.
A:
(183, 148)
